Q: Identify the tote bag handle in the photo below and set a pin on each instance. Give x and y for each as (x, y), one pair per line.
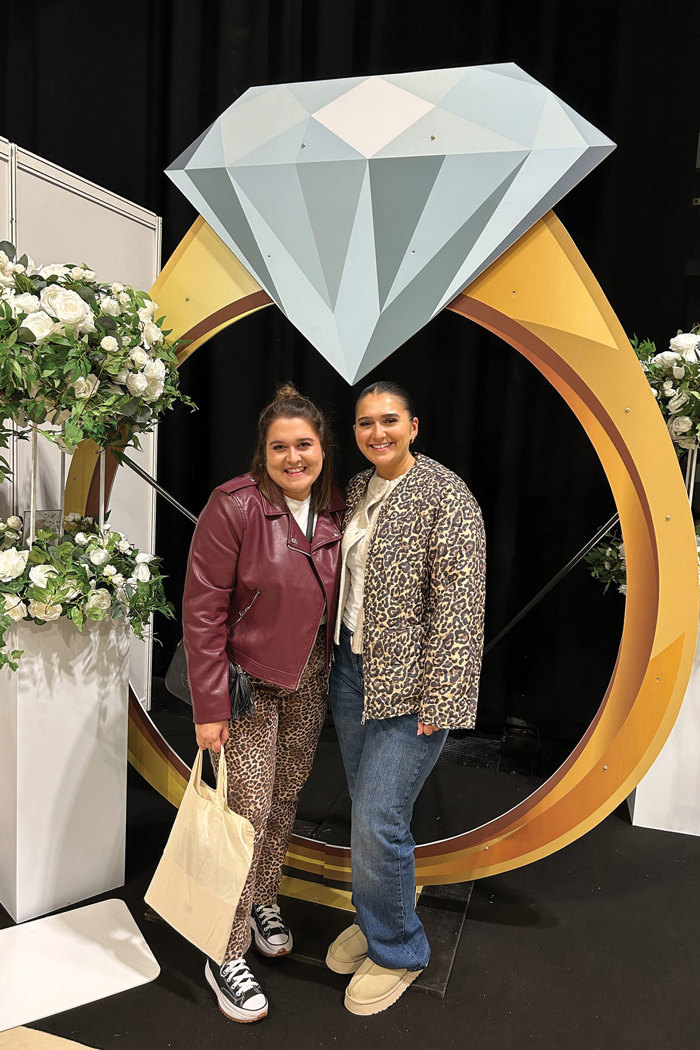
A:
(221, 793)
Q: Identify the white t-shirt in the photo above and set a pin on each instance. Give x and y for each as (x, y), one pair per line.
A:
(300, 509)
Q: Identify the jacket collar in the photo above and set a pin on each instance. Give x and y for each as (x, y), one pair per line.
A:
(271, 510)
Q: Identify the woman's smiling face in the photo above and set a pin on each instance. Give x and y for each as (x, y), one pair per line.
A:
(294, 456)
(384, 431)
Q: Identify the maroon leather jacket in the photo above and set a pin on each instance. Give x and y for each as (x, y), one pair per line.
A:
(255, 592)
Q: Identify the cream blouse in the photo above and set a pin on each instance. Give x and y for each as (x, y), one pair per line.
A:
(356, 541)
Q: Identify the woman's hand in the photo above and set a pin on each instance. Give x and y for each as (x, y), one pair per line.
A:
(426, 730)
(211, 735)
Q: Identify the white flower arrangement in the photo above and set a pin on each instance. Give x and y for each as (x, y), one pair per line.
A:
(674, 376)
(91, 357)
(89, 574)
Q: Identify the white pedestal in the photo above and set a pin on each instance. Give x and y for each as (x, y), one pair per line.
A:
(668, 797)
(63, 763)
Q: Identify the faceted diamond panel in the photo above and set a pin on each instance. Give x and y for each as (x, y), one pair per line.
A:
(364, 205)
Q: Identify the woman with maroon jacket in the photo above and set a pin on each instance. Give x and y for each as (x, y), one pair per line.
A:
(261, 592)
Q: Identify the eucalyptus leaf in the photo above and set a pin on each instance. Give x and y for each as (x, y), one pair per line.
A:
(9, 249)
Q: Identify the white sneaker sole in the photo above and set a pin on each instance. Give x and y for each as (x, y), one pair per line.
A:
(231, 1012)
(376, 1007)
(264, 948)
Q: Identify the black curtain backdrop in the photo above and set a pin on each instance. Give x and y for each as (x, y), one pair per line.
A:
(115, 93)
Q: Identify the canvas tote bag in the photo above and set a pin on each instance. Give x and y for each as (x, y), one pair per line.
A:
(200, 877)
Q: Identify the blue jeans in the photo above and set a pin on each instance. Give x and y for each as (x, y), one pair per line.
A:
(386, 764)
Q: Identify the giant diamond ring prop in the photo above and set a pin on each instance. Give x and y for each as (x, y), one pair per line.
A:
(408, 202)
(363, 206)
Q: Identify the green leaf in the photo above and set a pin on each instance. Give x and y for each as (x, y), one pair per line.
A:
(25, 335)
(9, 249)
(77, 616)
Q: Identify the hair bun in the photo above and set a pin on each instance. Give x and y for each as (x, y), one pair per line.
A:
(286, 392)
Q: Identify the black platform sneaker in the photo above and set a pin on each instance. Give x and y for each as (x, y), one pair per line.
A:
(272, 935)
(239, 995)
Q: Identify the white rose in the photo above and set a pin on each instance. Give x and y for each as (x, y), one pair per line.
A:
(117, 580)
(155, 369)
(686, 344)
(72, 516)
(14, 522)
(124, 298)
(44, 612)
(99, 599)
(14, 607)
(139, 357)
(10, 534)
(120, 377)
(39, 575)
(53, 270)
(81, 539)
(622, 589)
(81, 273)
(136, 383)
(68, 307)
(40, 325)
(142, 573)
(71, 593)
(12, 564)
(142, 559)
(678, 373)
(124, 546)
(117, 287)
(152, 334)
(668, 389)
(154, 388)
(26, 302)
(86, 386)
(667, 359)
(678, 402)
(99, 556)
(110, 307)
(147, 311)
(109, 344)
(110, 570)
(679, 425)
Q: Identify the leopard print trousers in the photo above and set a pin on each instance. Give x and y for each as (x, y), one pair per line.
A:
(268, 760)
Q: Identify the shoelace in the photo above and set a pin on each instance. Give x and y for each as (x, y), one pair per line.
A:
(238, 976)
(270, 919)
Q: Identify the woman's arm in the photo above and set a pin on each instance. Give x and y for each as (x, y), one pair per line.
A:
(210, 581)
(455, 635)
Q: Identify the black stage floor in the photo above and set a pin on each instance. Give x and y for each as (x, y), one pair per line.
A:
(593, 948)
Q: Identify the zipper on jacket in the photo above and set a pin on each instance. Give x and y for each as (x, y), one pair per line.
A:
(308, 655)
(248, 606)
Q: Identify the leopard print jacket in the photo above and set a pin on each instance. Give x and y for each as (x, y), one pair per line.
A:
(423, 598)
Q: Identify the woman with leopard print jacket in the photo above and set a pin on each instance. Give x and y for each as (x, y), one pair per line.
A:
(407, 658)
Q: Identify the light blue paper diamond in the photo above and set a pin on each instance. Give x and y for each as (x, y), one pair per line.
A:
(364, 205)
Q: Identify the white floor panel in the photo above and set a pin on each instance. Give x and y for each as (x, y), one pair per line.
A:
(90, 953)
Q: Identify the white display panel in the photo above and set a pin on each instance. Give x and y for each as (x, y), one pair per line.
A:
(55, 216)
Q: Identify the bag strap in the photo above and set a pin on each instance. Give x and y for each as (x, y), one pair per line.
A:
(310, 522)
(221, 777)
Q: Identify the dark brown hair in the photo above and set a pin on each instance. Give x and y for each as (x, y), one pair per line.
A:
(385, 387)
(290, 404)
